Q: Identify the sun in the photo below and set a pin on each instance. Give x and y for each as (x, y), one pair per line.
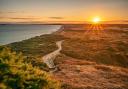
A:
(96, 20)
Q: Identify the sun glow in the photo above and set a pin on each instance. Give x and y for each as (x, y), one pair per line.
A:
(96, 24)
(96, 20)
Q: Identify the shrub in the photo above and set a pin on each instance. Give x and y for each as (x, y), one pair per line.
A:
(15, 73)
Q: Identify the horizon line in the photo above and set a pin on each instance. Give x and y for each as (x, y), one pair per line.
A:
(64, 22)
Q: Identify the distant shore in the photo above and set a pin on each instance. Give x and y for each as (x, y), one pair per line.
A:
(15, 33)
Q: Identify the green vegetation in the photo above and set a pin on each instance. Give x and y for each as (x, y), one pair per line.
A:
(28, 72)
(93, 51)
(107, 47)
(17, 73)
(37, 46)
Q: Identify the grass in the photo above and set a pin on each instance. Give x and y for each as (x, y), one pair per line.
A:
(82, 74)
(108, 47)
(17, 73)
(37, 46)
(105, 56)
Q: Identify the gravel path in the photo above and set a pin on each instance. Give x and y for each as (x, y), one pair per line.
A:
(49, 58)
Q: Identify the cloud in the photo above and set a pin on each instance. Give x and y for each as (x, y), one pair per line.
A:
(2, 17)
(18, 18)
(23, 18)
(125, 21)
(56, 17)
(11, 12)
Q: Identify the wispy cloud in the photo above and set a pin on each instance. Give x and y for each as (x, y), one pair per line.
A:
(24, 18)
(125, 20)
(10, 12)
(1, 17)
(19, 18)
(56, 17)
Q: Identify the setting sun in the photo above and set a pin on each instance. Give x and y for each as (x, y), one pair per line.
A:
(96, 20)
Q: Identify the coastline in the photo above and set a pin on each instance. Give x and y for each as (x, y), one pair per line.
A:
(32, 46)
(82, 60)
(24, 33)
(78, 40)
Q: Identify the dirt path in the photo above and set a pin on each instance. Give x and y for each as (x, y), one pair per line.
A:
(49, 58)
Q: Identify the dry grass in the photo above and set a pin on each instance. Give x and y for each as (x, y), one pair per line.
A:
(107, 46)
(86, 56)
(81, 74)
(103, 68)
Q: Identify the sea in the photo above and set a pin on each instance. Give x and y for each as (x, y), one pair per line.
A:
(17, 32)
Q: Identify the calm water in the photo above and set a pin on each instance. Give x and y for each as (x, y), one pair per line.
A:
(13, 33)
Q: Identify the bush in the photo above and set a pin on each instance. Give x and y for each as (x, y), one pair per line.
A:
(15, 73)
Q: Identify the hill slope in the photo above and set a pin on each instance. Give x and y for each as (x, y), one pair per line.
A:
(82, 74)
(106, 46)
(90, 58)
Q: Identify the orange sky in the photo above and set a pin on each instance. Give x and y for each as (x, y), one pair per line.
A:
(62, 10)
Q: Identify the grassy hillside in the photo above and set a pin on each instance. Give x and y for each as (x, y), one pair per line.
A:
(37, 46)
(107, 46)
(84, 59)
(17, 73)
(82, 74)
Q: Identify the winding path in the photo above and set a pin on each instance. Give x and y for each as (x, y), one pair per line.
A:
(49, 58)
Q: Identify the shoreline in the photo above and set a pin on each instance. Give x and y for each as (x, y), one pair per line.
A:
(81, 58)
(52, 32)
(32, 47)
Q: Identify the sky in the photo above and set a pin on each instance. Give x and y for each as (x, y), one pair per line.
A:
(62, 10)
